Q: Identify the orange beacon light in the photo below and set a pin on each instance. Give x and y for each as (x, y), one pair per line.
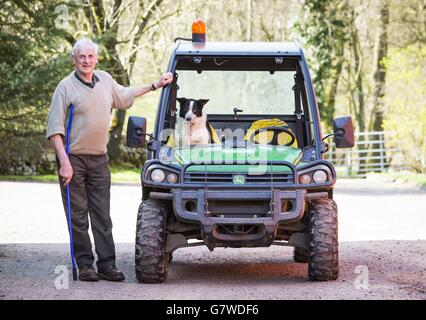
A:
(198, 31)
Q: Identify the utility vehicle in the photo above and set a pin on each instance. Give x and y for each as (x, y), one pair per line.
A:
(262, 182)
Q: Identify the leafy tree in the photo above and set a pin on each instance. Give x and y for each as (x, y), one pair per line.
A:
(31, 65)
(325, 32)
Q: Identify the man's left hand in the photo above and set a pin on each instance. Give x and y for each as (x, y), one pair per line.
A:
(165, 79)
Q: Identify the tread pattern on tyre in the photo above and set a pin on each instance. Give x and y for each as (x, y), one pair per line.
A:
(150, 257)
(323, 264)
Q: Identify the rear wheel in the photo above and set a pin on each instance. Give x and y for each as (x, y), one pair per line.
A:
(300, 255)
(323, 261)
(151, 260)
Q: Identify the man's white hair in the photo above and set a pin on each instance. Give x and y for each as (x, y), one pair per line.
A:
(81, 42)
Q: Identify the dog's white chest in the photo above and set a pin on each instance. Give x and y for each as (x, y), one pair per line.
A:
(191, 133)
(199, 136)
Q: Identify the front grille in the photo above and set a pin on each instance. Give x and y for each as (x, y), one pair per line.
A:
(227, 177)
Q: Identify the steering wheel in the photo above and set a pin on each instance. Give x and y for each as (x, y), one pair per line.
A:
(277, 131)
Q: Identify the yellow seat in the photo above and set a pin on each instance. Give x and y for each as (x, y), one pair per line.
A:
(266, 137)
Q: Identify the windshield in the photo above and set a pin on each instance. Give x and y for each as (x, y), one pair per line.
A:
(254, 92)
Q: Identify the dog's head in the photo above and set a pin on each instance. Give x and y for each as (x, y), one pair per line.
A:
(190, 108)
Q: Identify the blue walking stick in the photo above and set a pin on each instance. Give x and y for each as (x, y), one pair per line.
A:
(67, 150)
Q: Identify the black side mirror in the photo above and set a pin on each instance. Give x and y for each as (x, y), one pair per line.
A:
(343, 132)
(136, 132)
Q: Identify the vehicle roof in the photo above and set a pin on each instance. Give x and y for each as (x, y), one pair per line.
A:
(184, 47)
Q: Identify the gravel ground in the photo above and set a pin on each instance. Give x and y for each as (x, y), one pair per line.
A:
(382, 233)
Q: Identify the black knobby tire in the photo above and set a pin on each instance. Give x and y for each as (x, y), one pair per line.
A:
(323, 264)
(300, 255)
(151, 260)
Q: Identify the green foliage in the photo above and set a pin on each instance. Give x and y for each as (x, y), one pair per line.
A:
(325, 32)
(406, 102)
(30, 68)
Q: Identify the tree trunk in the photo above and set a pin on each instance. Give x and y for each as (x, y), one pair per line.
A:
(358, 96)
(118, 115)
(379, 80)
(330, 92)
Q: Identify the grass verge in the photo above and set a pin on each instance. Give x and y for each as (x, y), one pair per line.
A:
(412, 178)
(119, 174)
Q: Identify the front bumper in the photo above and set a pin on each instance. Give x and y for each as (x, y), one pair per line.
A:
(201, 199)
(209, 221)
(263, 206)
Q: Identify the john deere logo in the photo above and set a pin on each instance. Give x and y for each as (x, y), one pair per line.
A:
(239, 179)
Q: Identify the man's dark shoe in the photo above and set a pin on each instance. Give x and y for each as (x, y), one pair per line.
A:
(111, 274)
(87, 273)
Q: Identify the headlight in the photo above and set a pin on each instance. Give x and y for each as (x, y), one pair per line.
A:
(172, 178)
(319, 176)
(305, 179)
(157, 175)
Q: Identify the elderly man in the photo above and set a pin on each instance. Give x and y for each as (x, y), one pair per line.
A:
(93, 93)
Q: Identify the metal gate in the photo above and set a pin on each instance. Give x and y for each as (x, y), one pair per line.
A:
(370, 154)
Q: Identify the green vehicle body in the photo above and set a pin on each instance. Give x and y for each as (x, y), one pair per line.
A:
(237, 194)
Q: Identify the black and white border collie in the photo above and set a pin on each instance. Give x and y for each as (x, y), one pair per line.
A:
(192, 127)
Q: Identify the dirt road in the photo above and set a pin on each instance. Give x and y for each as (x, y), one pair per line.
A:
(382, 231)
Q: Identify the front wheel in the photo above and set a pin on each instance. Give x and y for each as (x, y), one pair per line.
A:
(151, 260)
(323, 259)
